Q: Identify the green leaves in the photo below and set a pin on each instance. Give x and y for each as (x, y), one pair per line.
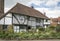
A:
(43, 33)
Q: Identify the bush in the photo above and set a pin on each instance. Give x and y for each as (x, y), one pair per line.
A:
(10, 29)
(43, 33)
(52, 27)
(41, 29)
(58, 35)
(58, 28)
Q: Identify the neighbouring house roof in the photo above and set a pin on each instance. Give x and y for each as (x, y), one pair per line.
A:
(22, 9)
(59, 19)
(56, 19)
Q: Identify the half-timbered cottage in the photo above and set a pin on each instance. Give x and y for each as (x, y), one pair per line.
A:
(22, 18)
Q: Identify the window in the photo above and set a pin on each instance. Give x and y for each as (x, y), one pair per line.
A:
(16, 28)
(38, 26)
(22, 27)
(31, 19)
(4, 26)
(38, 20)
(29, 27)
(46, 20)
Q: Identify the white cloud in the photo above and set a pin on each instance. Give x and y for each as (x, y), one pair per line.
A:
(49, 13)
(36, 2)
(54, 13)
(6, 9)
(51, 3)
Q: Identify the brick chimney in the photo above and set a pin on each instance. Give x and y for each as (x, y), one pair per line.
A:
(32, 6)
(45, 13)
(1, 7)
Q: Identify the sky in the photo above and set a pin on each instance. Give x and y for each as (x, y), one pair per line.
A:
(50, 7)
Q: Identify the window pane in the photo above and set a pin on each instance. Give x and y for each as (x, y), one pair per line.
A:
(8, 20)
(17, 27)
(4, 26)
(14, 27)
(22, 27)
(17, 31)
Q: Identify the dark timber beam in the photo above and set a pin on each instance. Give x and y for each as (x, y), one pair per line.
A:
(16, 18)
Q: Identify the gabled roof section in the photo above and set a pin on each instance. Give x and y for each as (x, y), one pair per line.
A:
(22, 9)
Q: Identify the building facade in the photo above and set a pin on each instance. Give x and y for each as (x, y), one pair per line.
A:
(23, 18)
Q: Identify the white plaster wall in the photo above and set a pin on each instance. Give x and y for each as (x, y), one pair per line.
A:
(29, 23)
(9, 15)
(32, 21)
(42, 22)
(20, 19)
(8, 21)
(15, 21)
(2, 21)
(24, 20)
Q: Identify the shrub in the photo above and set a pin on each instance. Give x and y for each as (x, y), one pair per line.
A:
(43, 33)
(58, 35)
(41, 29)
(52, 34)
(52, 27)
(58, 28)
(10, 29)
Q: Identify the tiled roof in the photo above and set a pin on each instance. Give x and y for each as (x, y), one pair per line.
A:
(59, 19)
(22, 9)
(56, 19)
